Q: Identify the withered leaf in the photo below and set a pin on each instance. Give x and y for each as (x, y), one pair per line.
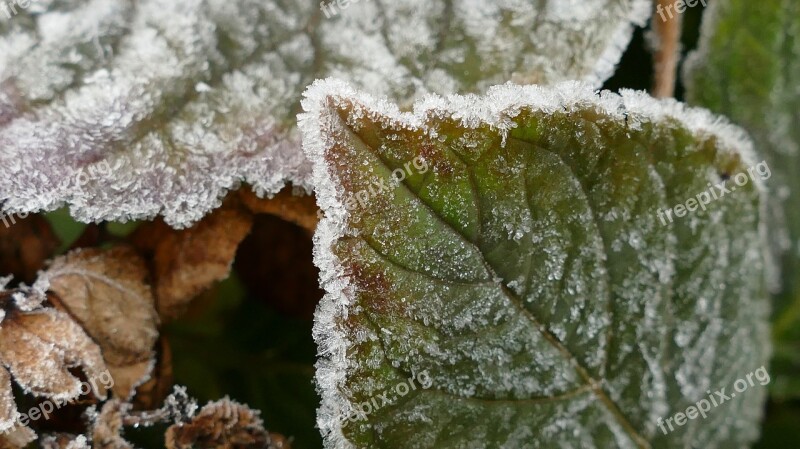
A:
(187, 262)
(128, 377)
(25, 244)
(106, 292)
(38, 348)
(301, 210)
(64, 441)
(7, 404)
(107, 429)
(19, 437)
(153, 392)
(14, 435)
(223, 424)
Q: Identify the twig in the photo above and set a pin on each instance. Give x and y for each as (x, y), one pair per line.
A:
(667, 34)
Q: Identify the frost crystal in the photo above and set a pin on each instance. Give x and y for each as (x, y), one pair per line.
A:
(127, 110)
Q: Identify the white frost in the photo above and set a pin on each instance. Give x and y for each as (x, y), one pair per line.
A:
(181, 118)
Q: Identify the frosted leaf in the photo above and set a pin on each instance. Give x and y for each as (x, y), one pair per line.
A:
(106, 292)
(8, 407)
(747, 67)
(17, 438)
(108, 427)
(496, 270)
(222, 424)
(38, 348)
(128, 110)
(64, 441)
(446, 47)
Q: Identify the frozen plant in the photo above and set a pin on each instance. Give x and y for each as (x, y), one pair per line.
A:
(491, 264)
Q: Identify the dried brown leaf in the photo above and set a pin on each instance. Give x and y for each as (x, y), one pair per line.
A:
(223, 424)
(301, 209)
(40, 346)
(107, 430)
(189, 261)
(128, 377)
(106, 292)
(18, 438)
(8, 406)
(25, 244)
(64, 441)
(153, 392)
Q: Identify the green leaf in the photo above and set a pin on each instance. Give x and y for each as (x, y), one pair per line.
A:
(129, 109)
(748, 68)
(520, 273)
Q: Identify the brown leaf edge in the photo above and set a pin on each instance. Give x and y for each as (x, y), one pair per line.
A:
(288, 204)
(185, 263)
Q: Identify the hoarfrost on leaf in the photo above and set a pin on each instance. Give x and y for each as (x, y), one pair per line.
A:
(17, 438)
(108, 425)
(64, 441)
(590, 322)
(38, 348)
(106, 293)
(747, 67)
(221, 424)
(128, 110)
